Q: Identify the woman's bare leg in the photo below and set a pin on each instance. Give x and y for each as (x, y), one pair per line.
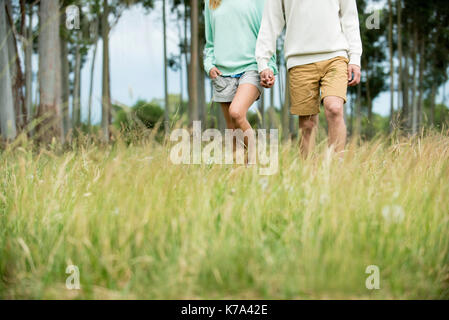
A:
(246, 95)
(230, 124)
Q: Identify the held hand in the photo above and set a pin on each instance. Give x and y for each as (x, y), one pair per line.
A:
(354, 70)
(214, 72)
(267, 78)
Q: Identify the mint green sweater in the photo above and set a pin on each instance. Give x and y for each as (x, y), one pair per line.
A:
(231, 36)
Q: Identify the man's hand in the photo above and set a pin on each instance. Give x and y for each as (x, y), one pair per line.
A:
(214, 72)
(267, 78)
(354, 70)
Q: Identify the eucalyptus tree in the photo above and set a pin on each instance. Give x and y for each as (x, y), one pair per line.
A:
(95, 34)
(28, 54)
(111, 9)
(15, 65)
(65, 41)
(7, 114)
(373, 68)
(391, 56)
(194, 56)
(166, 107)
(425, 43)
(49, 110)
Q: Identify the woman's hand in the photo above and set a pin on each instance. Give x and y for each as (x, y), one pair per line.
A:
(267, 78)
(214, 72)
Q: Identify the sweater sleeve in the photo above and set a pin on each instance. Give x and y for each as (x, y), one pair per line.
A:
(349, 18)
(209, 55)
(273, 22)
(273, 65)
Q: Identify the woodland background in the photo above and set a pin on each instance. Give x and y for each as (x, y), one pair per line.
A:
(406, 57)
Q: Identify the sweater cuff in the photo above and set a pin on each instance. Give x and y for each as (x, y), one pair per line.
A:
(263, 64)
(208, 67)
(355, 59)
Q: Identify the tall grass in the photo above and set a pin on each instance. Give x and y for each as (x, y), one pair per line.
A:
(140, 227)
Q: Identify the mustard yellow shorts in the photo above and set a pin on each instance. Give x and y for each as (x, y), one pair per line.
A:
(311, 83)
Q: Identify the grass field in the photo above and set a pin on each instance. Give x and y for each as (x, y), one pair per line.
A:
(139, 227)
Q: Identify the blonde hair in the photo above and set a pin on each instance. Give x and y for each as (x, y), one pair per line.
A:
(214, 4)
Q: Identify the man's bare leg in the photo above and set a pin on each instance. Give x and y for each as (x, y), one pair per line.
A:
(334, 108)
(308, 127)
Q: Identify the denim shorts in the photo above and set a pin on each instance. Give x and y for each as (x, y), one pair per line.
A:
(225, 88)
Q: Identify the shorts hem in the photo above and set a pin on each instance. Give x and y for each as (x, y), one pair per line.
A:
(334, 95)
(304, 113)
(252, 83)
(223, 100)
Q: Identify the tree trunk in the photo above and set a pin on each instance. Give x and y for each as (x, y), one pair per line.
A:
(28, 47)
(181, 84)
(281, 92)
(351, 122)
(181, 69)
(271, 111)
(286, 110)
(65, 86)
(65, 81)
(201, 82)
(15, 70)
(7, 115)
(77, 87)
(414, 115)
(166, 109)
(369, 100)
(400, 72)
(345, 114)
(186, 49)
(194, 47)
(434, 68)
(58, 79)
(262, 111)
(390, 45)
(421, 79)
(49, 54)
(106, 90)
(443, 98)
(202, 95)
(92, 72)
(358, 113)
(405, 84)
(433, 95)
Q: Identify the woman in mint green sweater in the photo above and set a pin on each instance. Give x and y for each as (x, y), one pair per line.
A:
(232, 28)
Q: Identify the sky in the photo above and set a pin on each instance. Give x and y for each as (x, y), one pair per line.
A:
(136, 49)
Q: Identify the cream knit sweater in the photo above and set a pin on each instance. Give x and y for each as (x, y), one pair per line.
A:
(316, 30)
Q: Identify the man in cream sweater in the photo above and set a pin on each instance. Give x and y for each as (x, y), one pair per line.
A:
(323, 50)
